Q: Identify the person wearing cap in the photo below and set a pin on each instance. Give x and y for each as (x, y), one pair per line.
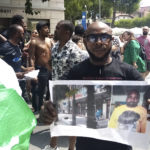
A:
(40, 57)
(144, 40)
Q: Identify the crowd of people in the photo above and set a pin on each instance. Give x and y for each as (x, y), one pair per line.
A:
(71, 54)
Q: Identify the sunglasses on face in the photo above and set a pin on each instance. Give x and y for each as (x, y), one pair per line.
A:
(95, 37)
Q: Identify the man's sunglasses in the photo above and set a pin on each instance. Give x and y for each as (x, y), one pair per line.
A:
(95, 37)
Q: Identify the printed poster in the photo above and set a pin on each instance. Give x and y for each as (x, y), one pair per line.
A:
(109, 110)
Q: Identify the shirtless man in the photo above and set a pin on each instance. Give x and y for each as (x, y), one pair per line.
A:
(40, 55)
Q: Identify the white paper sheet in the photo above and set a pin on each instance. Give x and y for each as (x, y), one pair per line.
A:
(108, 94)
(32, 74)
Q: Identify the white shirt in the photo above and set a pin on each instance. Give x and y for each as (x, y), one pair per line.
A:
(8, 77)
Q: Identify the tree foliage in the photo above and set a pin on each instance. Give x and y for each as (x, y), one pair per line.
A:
(124, 6)
(29, 9)
(131, 23)
(74, 8)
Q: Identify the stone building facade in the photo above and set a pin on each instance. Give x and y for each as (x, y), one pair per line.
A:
(51, 11)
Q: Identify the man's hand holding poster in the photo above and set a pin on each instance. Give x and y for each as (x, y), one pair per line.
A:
(107, 110)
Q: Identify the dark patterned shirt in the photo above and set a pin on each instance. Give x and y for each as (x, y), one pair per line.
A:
(63, 60)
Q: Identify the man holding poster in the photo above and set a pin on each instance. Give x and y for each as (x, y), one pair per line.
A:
(130, 117)
(100, 66)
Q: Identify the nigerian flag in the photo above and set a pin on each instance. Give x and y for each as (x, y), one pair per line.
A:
(16, 121)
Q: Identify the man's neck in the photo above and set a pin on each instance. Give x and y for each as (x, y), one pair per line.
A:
(62, 43)
(14, 42)
(42, 37)
(145, 36)
(102, 63)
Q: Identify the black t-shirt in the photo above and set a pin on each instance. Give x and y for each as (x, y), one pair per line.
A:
(84, 143)
(11, 54)
(116, 70)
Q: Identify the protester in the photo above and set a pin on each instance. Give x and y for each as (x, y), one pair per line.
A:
(100, 66)
(116, 50)
(10, 52)
(40, 58)
(130, 117)
(16, 19)
(79, 41)
(144, 40)
(79, 30)
(132, 52)
(78, 36)
(34, 34)
(98, 42)
(65, 53)
(27, 34)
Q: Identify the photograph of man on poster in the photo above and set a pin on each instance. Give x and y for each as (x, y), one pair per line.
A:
(130, 115)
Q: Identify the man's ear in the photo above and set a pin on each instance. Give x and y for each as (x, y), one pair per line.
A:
(84, 40)
(67, 32)
(112, 38)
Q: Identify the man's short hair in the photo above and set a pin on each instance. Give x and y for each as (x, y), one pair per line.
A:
(76, 38)
(67, 25)
(12, 30)
(41, 24)
(134, 91)
(17, 19)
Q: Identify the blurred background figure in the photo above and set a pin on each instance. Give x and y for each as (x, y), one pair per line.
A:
(116, 53)
(132, 52)
(144, 40)
(78, 36)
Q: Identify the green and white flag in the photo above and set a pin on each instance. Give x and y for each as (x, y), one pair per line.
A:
(16, 121)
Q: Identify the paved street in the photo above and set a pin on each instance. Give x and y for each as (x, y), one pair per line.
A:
(41, 137)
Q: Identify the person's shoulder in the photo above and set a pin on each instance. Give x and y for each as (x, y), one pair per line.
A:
(140, 37)
(133, 42)
(141, 108)
(49, 42)
(5, 33)
(81, 64)
(73, 45)
(5, 45)
(35, 41)
(78, 71)
(121, 107)
(122, 65)
(47, 39)
(129, 71)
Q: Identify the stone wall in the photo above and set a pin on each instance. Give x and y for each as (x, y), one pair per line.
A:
(52, 10)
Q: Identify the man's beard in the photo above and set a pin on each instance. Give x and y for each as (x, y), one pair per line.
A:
(145, 33)
(98, 59)
(131, 104)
